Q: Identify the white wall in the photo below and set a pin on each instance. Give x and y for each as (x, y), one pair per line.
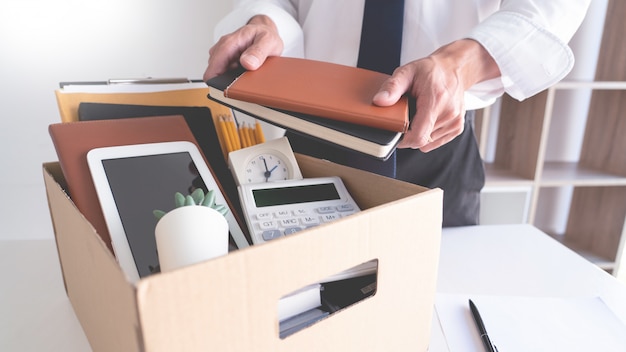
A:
(43, 42)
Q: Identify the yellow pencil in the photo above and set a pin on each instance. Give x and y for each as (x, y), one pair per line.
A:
(226, 136)
(250, 134)
(232, 129)
(258, 131)
(242, 137)
(220, 135)
(245, 136)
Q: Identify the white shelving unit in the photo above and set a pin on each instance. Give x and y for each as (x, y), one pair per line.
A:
(595, 184)
(519, 175)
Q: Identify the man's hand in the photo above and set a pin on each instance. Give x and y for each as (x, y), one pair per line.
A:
(249, 46)
(438, 83)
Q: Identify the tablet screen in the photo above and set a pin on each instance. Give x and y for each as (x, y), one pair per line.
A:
(142, 184)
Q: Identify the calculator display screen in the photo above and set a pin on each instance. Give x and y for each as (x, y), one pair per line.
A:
(292, 195)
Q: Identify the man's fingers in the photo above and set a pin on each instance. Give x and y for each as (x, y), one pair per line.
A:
(429, 132)
(253, 57)
(248, 46)
(393, 88)
(439, 140)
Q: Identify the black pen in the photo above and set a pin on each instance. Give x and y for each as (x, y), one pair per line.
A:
(489, 347)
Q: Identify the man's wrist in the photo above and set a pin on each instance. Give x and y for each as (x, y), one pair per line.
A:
(262, 20)
(469, 59)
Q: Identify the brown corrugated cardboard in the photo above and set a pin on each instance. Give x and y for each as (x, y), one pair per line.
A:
(230, 303)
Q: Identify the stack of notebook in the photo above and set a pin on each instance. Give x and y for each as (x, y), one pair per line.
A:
(329, 102)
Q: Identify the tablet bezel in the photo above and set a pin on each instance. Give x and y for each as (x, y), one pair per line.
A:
(119, 240)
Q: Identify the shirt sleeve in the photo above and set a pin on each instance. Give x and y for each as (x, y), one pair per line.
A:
(279, 11)
(528, 40)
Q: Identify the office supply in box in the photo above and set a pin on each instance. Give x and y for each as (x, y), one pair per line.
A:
(81, 101)
(239, 135)
(167, 93)
(277, 201)
(73, 140)
(276, 209)
(132, 181)
(266, 162)
(71, 94)
(341, 293)
(230, 303)
(301, 321)
(201, 124)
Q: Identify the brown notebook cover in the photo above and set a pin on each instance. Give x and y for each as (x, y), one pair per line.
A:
(322, 89)
(72, 141)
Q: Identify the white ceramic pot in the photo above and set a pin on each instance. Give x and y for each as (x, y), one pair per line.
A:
(190, 234)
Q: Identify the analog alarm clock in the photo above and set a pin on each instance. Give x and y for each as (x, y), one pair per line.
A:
(266, 162)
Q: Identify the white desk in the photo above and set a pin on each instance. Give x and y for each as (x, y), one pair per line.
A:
(35, 314)
(518, 260)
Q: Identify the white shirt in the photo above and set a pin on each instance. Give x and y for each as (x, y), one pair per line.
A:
(527, 38)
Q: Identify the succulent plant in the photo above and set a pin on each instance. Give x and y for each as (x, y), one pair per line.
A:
(197, 197)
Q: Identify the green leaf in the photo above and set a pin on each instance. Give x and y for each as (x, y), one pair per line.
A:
(209, 199)
(189, 201)
(179, 200)
(198, 196)
(158, 214)
(222, 209)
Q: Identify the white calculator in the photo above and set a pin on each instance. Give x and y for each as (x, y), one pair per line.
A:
(276, 209)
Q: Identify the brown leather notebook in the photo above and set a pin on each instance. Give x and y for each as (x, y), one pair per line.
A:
(72, 141)
(323, 89)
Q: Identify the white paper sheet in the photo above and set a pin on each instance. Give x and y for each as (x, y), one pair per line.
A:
(534, 324)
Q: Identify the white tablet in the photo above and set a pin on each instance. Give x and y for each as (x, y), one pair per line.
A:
(133, 180)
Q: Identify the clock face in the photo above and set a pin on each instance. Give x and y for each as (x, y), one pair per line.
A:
(266, 167)
(266, 162)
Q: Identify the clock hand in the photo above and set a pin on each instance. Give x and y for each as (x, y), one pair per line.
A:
(264, 163)
(267, 172)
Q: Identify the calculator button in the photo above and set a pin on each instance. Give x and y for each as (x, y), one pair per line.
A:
(330, 217)
(300, 212)
(345, 207)
(271, 234)
(290, 230)
(310, 220)
(282, 214)
(288, 222)
(268, 225)
(263, 216)
(326, 210)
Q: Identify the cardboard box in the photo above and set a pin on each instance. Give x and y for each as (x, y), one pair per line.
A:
(230, 303)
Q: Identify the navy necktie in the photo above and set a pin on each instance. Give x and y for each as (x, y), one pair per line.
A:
(381, 35)
(379, 50)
